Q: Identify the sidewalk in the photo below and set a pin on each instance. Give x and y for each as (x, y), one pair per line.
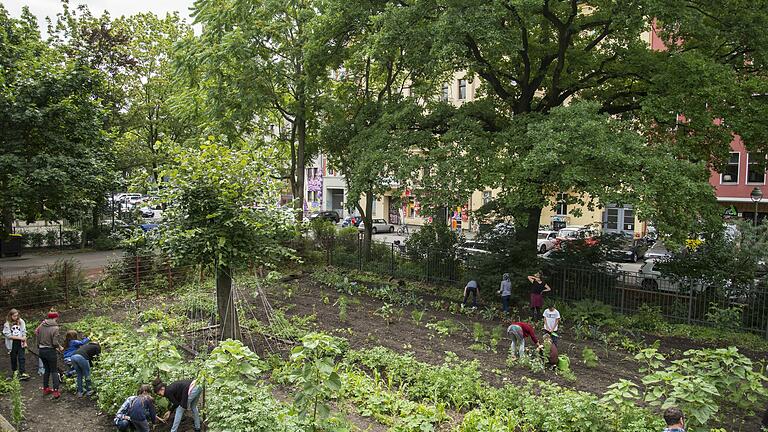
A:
(88, 259)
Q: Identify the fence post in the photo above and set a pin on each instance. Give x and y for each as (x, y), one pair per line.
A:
(138, 281)
(170, 274)
(623, 291)
(690, 301)
(66, 282)
(426, 268)
(392, 259)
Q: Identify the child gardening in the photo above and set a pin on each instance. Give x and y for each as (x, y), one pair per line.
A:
(15, 332)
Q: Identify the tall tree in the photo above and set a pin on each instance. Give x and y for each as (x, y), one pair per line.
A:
(370, 97)
(573, 99)
(53, 141)
(254, 61)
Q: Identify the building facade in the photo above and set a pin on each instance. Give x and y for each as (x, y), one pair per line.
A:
(324, 188)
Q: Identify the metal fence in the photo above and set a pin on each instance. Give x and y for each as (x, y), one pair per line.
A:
(65, 281)
(625, 292)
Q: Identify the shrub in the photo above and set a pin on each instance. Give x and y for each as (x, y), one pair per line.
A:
(649, 318)
(52, 238)
(589, 357)
(104, 242)
(728, 318)
(34, 238)
(324, 232)
(71, 238)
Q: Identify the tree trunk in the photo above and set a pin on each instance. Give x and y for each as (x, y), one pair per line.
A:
(301, 138)
(7, 216)
(225, 303)
(529, 233)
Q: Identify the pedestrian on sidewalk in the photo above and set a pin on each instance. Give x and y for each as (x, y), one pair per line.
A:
(674, 419)
(15, 332)
(183, 395)
(473, 289)
(48, 343)
(538, 288)
(82, 360)
(506, 292)
(518, 331)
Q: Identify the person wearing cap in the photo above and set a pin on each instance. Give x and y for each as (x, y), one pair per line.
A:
(47, 343)
(506, 292)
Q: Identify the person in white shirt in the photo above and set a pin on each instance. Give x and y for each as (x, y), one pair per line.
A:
(552, 322)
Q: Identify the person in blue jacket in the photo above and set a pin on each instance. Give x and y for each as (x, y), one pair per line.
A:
(71, 344)
(142, 411)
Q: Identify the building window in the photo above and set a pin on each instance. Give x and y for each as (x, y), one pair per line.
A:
(755, 170)
(462, 89)
(562, 204)
(612, 219)
(487, 197)
(312, 196)
(331, 172)
(731, 171)
(444, 96)
(629, 220)
(410, 207)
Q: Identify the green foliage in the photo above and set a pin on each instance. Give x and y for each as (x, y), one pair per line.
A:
(235, 397)
(129, 360)
(703, 382)
(434, 240)
(17, 403)
(323, 232)
(728, 318)
(55, 161)
(417, 316)
(589, 357)
(220, 207)
(444, 327)
(316, 377)
(342, 302)
(478, 331)
(649, 318)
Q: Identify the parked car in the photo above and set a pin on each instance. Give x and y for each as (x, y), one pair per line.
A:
(471, 248)
(351, 221)
(653, 280)
(147, 212)
(546, 241)
(658, 250)
(328, 215)
(624, 247)
(577, 232)
(379, 226)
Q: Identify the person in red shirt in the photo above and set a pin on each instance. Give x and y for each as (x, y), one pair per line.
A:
(518, 331)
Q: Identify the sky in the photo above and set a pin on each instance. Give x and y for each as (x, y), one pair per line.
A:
(116, 8)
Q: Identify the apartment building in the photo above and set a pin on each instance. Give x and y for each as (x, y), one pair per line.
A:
(324, 188)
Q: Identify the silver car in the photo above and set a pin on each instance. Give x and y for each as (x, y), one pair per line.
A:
(379, 226)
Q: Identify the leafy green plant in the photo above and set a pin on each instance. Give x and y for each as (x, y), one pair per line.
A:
(621, 393)
(650, 358)
(315, 377)
(387, 312)
(589, 357)
(444, 327)
(728, 318)
(235, 398)
(649, 318)
(17, 403)
(417, 316)
(342, 303)
(478, 331)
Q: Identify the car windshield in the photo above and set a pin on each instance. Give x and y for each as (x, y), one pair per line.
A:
(569, 233)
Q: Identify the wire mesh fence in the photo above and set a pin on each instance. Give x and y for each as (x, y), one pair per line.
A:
(681, 301)
(65, 280)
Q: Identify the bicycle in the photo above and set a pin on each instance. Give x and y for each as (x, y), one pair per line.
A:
(403, 230)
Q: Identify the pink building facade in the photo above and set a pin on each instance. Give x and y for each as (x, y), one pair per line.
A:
(733, 186)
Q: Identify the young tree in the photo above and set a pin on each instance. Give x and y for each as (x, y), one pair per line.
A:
(573, 99)
(222, 211)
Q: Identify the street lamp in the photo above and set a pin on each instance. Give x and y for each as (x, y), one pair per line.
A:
(756, 196)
